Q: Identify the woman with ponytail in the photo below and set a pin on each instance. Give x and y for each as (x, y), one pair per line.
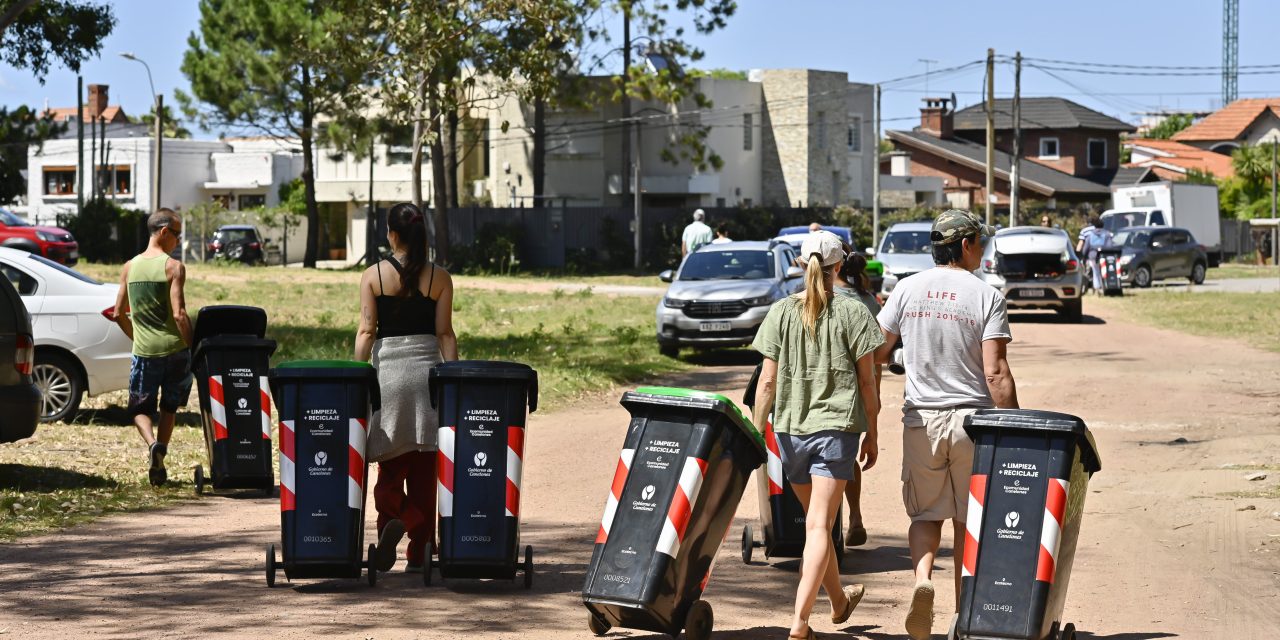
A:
(818, 382)
(406, 327)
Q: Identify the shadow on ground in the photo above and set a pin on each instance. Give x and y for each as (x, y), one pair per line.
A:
(1050, 317)
(28, 478)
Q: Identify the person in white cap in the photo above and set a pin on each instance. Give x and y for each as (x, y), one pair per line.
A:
(696, 234)
(818, 380)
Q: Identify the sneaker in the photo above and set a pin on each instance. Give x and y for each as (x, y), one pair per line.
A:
(387, 542)
(157, 474)
(920, 615)
(413, 568)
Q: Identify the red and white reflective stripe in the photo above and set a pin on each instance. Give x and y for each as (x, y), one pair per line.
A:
(356, 438)
(1055, 506)
(444, 470)
(615, 493)
(217, 408)
(515, 458)
(973, 524)
(287, 467)
(774, 464)
(264, 402)
(681, 506)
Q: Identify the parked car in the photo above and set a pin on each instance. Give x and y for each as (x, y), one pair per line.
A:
(1154, 253)
(904, 251)
(721, 293)
(238, 243)
(1035, 268)
(19, 397)
(1193, 207)
(795, 236)
(78, 346)
(51, 242)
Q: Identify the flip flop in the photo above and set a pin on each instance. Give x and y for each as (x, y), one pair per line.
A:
(853, 593)
(808, 636)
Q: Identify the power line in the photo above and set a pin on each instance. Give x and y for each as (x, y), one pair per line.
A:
(1156, 73)
(1104, 65)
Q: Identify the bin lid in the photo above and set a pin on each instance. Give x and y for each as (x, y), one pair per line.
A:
(1036, 420)
(302, 369)
(228, 318)
(485, 370)
(673, 396)
(232, 341)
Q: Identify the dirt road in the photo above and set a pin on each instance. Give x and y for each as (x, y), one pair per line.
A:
(1165, 550)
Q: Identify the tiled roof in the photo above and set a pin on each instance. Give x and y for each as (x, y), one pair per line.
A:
(1040, 113)
(1032, 175)
(1172, 155)
(1229, 122)
(112, 113)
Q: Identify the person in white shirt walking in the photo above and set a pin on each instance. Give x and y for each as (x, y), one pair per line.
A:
(1094, 238)
(696, 234)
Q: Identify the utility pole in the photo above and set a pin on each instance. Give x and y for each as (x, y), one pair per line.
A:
(155, 175)
(991, 129)
(1015, 169)
(626, 114)
(875, 175)
(80, 145)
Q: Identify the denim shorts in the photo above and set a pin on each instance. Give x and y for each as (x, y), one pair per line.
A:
(164, 380)
(830, 454)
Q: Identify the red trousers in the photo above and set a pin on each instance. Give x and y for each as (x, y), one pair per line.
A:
(406, 490)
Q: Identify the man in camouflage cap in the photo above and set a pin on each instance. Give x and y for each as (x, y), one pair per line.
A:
(954, 329)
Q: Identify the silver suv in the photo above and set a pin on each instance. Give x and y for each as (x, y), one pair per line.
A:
(904, 251)
(1035, 268)
(721, 293)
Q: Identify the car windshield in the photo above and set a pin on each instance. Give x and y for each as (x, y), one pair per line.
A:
(905, 242)
(11, 220)
(1131, 239)
(1118, 221)
(63, 268)
(728, 265)
(232, 236)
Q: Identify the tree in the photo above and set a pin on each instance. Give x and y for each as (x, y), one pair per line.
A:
(34, 34)
(276, 66)
(1171, 124)
(19, 129)
(287, 215)
(202, 220)
(173, 127)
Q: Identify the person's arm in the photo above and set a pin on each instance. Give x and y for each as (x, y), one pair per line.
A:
(766, 390)
(445, 335)
(999, 378)
(366, 329)
(178, 299)
(122, 304)
(869, 387)
(885, 350)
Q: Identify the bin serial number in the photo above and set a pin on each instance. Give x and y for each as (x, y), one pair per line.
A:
(317, 539)
(1003, 608)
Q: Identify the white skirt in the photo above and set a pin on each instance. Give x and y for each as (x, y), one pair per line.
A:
(405, 422)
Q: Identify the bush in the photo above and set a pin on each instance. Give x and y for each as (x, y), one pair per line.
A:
(108, 233)
(494, 251)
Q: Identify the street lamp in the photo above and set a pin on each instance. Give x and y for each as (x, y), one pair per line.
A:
(156, 161)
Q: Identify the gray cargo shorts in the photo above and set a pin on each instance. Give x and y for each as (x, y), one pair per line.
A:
(830, 454)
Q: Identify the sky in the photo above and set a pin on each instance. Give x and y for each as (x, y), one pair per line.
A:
(872, 40)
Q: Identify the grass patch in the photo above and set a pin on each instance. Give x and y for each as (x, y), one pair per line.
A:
(1251, 317)
(69, 474)
(1243, 271)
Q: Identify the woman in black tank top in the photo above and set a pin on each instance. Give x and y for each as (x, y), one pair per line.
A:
(406, 327)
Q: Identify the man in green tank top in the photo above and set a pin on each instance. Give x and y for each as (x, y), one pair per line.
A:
(152, 311)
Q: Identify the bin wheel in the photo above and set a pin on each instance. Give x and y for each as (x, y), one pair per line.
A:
(596, 625)
(748, 543)
(426, 564)
(1068, 632)
(373, 566)
(271, 565)
(528, 566)
(955, 623)
(699, 620)
(199, 480)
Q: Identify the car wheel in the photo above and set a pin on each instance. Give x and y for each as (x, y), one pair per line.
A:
(1197, 273)
(60, 386)
(1142, 276)
(1073, 310)
(669, 350)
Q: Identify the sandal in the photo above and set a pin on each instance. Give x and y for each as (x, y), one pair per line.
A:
(808, 636)
(853, 593)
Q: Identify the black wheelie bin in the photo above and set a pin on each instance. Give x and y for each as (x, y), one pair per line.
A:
(481, 454)
(324, 408)
(1031, 473)
(1109, 264)
(781, 514)
(684, 464)
(231, 361)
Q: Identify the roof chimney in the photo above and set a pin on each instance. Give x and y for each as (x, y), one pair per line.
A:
(97, 101)
(937, 117)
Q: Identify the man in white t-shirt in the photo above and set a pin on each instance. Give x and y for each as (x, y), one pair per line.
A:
(695, 235)
(1093, 239)
(954, 330)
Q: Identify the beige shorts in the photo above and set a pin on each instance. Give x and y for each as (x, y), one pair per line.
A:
(937, 460)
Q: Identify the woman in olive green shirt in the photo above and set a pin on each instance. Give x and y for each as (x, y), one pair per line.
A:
(818, 381)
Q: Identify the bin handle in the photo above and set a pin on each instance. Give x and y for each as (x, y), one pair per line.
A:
(533, 393)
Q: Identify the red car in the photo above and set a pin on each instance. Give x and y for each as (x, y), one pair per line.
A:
(51, 242)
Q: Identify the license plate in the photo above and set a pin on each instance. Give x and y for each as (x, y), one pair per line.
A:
(714, 326)
(74, 255)
(1031, 293)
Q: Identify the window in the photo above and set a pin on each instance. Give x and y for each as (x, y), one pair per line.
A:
(400, 145)
(855, 134)
(822, 129)
(1097, 153)
(746, 132)
(222, 199)
(1157, 218)
(252, 201)
(1049, 148)
(24, 284)
(1181, 237)
(115, 180)
(59, 181)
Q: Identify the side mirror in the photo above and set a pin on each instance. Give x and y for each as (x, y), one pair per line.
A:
(667, 276)
(871, 252)
(794, 272)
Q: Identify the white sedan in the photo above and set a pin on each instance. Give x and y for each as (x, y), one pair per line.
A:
(79, 347)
